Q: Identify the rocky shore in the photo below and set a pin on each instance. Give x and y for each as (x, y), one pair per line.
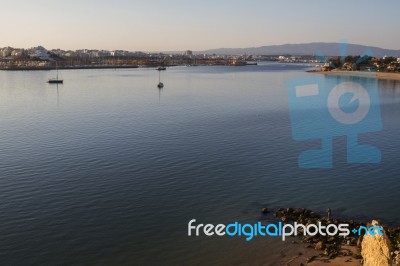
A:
(338, 250)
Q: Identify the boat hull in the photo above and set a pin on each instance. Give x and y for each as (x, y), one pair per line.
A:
(55, 81)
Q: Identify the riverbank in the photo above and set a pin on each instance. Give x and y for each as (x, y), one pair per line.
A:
(330, 250)
(67, 67)
(41, 68)
(304, 255)
(377, 75)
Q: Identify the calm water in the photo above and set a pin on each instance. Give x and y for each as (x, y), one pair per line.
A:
(106, 169)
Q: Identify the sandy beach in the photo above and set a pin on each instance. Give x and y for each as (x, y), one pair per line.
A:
(335, 250)
(300, 254)
(378, 75)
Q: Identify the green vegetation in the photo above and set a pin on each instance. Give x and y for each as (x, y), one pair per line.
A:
(366, 63)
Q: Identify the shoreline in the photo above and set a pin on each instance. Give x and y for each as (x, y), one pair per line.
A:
(328, 250)
(363, 74)
(302, 254)
(67, 67)
(111, 66)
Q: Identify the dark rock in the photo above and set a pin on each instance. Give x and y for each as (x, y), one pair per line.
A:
(346, 253)
(331, 239)
(308, 239)
(359, 242)
(328, 245)
(310, 259)
(357, 256)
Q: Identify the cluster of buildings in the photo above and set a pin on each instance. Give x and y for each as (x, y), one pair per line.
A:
(357, 63)
(297, 59)
(40, 57)
(12, 53)
(11, 58)
(42, 53)
(7, 52)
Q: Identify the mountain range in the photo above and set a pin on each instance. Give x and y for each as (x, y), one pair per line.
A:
(326, 49)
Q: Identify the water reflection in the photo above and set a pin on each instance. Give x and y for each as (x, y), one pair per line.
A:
(58, 96)
(159, 94)
(391, 86)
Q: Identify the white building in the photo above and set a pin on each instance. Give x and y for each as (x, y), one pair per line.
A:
(70, 53)
(17, 52)
(6, 51)
(39, 52)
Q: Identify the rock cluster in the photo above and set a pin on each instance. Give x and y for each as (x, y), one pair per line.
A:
(328, 245)
(376, 250)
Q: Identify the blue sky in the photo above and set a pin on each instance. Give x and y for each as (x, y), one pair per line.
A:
(176, 25)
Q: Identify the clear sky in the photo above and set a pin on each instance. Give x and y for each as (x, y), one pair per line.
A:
(175, 25)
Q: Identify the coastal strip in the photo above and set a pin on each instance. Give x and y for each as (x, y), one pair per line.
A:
(328, 249)
(67, 67)
(365, 74)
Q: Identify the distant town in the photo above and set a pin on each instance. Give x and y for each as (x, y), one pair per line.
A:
(39, 58)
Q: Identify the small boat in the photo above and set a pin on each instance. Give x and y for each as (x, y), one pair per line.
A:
(251, 63)
(161, 68)
(56, 80)
(160, 84)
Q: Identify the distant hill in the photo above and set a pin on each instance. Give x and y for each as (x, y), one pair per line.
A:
(327, 49)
